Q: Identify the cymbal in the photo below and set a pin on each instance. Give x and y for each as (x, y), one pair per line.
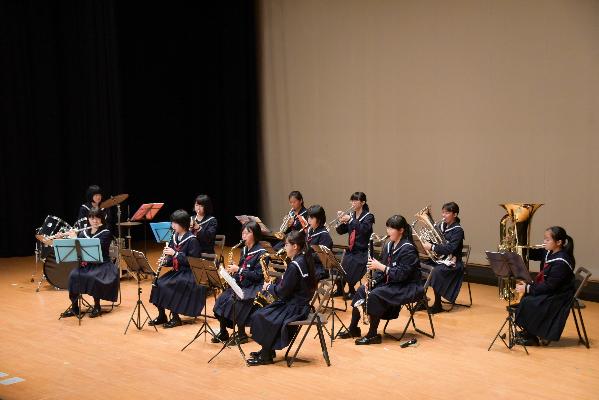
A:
(129, 223)
(114, 200)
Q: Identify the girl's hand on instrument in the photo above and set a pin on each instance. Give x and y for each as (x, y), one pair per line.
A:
(344, 219)
(169, 251)
(265, 285)
(232, 268)
(375, 265)
(427, 246)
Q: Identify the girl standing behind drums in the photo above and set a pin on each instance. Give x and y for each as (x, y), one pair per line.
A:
(358, 225)
(99, 280)
(93, 198)
(318, 235)
(248, 275)
(204, 224)
(294, 291)
(177, 290)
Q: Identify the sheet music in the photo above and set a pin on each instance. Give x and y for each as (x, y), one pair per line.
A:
(247, 218)
(231, 281)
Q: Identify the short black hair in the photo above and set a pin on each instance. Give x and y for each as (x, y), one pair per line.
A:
(181, 218)
(95, 212)
(91, 192)
(205, 202)
(451, 207)
(316, 211)
(253, 227)
(297, 195)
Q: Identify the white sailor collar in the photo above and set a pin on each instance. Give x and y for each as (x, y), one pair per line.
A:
(556, 257)
(204, 220)
(178, 241)
(400, 245)
(254, 250)
(96, 234)
(447, 228)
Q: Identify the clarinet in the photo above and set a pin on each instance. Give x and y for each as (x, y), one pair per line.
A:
(161, 263)
(368, 286)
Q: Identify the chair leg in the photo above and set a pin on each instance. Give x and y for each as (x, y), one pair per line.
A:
(584, 340)
(323, 343)
(292, 341)
(299, 346)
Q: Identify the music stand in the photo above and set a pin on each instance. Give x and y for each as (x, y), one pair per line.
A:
(78, 250)
(511, 266)
(205, 273)
(237, 293)
(145, 213)
(247, 218)
(329, 261)
(137, 263)
(162, 231)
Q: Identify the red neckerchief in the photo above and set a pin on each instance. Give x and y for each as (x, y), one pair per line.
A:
(541, 276)
(352, 239)
(83, 263)
(175, 260)
(243, 266)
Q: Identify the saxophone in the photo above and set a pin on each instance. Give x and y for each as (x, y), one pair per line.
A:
(230, 256)
(426, 230)
(161, 263)
(264, 297)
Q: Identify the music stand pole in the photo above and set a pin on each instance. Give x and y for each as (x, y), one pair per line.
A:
(137, 262)
(234, 337)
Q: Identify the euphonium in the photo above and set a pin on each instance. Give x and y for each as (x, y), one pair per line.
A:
(281, 233)
(264, 297)
(425, 229)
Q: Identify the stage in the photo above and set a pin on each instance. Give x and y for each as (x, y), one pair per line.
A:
(61, 360)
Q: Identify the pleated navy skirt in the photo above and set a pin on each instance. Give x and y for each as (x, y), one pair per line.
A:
(545, 315)
(354, 264)
(447, 281)
(178, 292)
(223, 307)
(97, 280)
(269, 324)
(385, 301)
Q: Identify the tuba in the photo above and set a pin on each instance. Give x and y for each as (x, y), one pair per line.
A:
(514, 233)
(425, 229)
(264, 297)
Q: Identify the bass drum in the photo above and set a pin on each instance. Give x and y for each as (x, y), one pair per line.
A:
(58, 274)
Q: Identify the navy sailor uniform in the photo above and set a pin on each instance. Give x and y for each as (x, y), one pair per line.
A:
(82, 221)
(544, 310)
(177, 290)
(399, 284)
(447, 280)
(206, 234)
(293, 293)
(99, 280)
(356, 257)
(250, 279)
(319, 236)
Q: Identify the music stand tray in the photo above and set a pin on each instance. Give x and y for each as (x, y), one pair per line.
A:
(78, 250)
(147, 212)
(137, 263)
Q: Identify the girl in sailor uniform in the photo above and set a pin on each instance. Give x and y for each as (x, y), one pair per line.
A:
(396, 281)
(447, 279)
(293, 292)
(204, 224)
(99, 280)
(177, 290)
(318, 235)
(248, 275)
(300, 215)
(358, 226)
(543, 311)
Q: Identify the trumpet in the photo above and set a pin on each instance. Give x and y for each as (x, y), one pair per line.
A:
(329, 225)
(161, 263)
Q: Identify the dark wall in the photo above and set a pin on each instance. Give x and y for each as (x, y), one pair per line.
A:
(157, 102)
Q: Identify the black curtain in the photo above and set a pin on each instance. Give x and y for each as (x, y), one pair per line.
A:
(159, 102)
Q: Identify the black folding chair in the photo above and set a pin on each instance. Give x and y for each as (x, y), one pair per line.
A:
(317, 317)
(581, 275)
(412, 307)
(219, 247)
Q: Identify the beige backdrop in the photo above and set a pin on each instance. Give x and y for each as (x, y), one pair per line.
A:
(423, 102)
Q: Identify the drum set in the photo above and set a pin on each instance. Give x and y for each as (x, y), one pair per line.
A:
(58, 274)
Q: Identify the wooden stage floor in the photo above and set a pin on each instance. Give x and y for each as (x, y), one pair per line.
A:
(61, 360)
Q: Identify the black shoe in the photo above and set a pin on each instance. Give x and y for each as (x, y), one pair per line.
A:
(372, 340)
(256, 354)
(222, 337)
(175, 321)
(161, 319)
(437, 308)
(69, 313)
(96, 312)
(260, 360)
(350, 333)
(243, 338)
